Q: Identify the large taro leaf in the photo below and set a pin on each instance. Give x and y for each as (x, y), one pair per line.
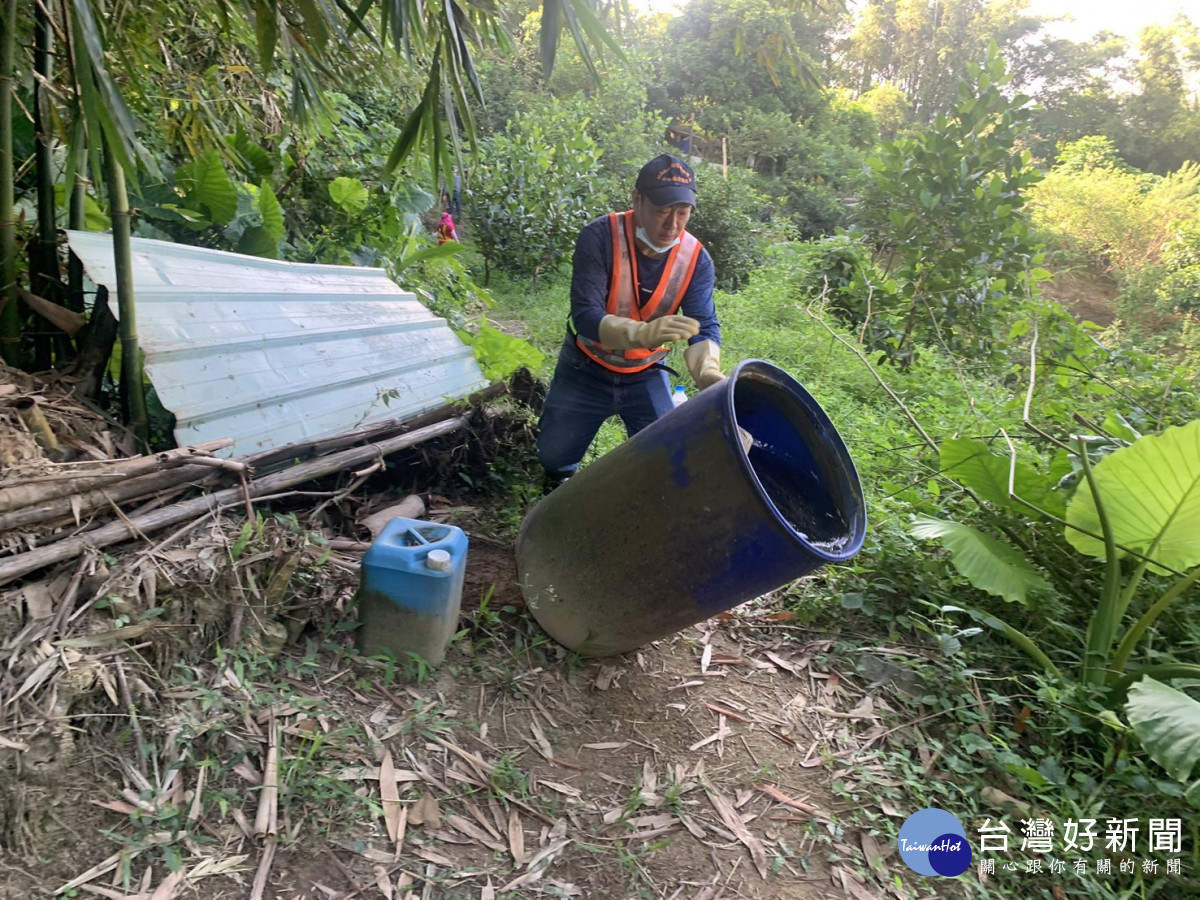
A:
(973, 465)
(987, 563)
(1167, 722)
(1151, 493)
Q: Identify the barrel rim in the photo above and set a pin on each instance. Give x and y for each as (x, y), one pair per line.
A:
(786, 381)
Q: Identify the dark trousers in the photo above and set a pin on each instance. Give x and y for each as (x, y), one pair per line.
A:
(582, 395)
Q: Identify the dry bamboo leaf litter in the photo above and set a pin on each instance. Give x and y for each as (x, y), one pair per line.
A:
(607, 745)
(734, 823)
(649, 661)
(425, 812)
(539, 739)
(383, 881)
(649, 779)
(474, 832)
(606, 677)
(727, 713)
(438, 859)
(553, 845)
(719, 735)
(477, 814)
(516, 838)
(389, 798)
(166, 890)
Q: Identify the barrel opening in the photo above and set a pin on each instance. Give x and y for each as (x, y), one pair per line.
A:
(799, 462)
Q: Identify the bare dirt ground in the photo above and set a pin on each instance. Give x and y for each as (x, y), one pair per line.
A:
(1086, 294)
(184, 717)
(697, 767)
(141, 757)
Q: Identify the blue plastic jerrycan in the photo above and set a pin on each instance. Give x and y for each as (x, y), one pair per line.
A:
(411, 590)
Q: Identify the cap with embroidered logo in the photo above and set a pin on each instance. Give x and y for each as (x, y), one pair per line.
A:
(666, 180)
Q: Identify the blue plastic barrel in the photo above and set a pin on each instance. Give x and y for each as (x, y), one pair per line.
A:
(411, 590)
(682, 521)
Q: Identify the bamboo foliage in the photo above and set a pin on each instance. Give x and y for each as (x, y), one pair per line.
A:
(98, 103)
(109, 55)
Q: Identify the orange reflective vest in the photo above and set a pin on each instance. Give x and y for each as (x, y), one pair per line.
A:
(623, 294)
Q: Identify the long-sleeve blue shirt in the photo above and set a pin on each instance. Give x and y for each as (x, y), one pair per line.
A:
(592, 274)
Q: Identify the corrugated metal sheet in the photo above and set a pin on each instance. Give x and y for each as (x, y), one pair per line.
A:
(269, 353)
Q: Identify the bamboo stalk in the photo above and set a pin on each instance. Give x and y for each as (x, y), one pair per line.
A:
(264, 868)
(132, 387)
(89, 501)
(266, 819)
(71, 471)
(134, 722)
(41, 490)
(35, 420)
(30, 561)
(10, 319)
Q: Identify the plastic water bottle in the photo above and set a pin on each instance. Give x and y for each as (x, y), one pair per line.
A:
(679, 396)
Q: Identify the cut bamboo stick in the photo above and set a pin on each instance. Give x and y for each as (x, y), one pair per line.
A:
(66, 507)
(41, 490)
(21, 564)
(266, 819)
(259, 886)
(35, 420)
(265, 460)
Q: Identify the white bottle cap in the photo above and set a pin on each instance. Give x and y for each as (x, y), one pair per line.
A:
(438, 559)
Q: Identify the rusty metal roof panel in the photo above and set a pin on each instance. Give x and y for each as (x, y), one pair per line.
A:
(269, 353)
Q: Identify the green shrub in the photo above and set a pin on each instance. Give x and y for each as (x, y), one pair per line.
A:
(944, 208)
(532, 189)
(728, 219)
(626, 136)
(1115, 216)
(815, 208)
(1179, 290)
(837, 267)
(1089, 154)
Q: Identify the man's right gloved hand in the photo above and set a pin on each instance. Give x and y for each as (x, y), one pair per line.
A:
(620, 333)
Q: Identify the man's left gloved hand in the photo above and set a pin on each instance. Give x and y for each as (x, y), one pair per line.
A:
(703, 361)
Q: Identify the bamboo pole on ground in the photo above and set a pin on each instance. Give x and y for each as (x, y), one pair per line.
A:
(101, 474)
(21, 564)
(265, 460)
(84, 503)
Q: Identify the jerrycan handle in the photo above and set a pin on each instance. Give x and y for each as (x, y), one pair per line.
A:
(412, 536)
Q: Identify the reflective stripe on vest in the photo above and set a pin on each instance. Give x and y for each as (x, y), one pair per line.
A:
(623, 294)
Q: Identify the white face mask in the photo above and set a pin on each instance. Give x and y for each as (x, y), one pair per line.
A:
(640, 234)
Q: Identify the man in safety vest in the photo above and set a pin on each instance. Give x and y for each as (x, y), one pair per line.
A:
(639, 281)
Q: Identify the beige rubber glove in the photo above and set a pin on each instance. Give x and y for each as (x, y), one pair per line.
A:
(620, 333)
(704, 363)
